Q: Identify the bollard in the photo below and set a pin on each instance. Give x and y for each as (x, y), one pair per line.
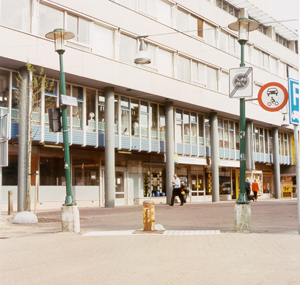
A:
(148, 216)
(10, 203)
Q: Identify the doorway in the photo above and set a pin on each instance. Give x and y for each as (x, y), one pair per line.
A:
(197, 186)
(120, 188)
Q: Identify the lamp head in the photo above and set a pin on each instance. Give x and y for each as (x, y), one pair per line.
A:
(285, 121)
(59, 36)
(142, 56)
(243, 26)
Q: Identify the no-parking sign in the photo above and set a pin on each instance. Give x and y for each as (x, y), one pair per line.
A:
(272, 96)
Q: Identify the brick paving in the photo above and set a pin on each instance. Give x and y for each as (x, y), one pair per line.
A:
(42, 254)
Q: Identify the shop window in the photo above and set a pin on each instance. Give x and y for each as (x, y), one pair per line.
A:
(4, 91)
(207, 131)
(15, 14)
(178, 128)
(85, 171)
(144, 119)
(154, 129)
(237, 136)
(154, 180)
(220, 133)
(10, 173)
(91, 109)
(135, 127)
(231, 135)
(101, 112)
(52, 171)
(194, 128)
(201, 129)
(103, 35)
(49, 19)
(224, 180)
(77, 112)
(186, 127)
(162, 122)
(125, 116)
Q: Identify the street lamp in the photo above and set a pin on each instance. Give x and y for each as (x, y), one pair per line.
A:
(60, 36)
(142, 56)
(243, 26)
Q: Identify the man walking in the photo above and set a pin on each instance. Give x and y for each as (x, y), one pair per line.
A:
(176, 191)
(248, 188)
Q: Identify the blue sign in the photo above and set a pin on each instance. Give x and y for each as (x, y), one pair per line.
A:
(294, 104)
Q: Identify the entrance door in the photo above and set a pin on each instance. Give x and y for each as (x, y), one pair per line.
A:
(120, 188)
(197, 186)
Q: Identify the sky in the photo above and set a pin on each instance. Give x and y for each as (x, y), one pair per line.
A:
(280, 10)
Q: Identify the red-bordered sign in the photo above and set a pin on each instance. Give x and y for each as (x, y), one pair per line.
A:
(273, 96)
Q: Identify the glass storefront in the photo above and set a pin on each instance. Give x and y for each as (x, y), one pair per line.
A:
(154, 176)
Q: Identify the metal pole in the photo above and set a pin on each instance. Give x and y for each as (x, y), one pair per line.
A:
(62, 87)
(296, 141)
(242, 199)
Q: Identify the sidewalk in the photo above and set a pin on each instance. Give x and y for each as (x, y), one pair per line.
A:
(42, 254)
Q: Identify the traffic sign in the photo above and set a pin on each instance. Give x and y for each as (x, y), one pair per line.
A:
(272, 96)
(240, 82)
(293, 87)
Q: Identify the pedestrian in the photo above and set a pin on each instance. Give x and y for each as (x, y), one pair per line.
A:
(255, 189)
(176, 191)
(248, 188)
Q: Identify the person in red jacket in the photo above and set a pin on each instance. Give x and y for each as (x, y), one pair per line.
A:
(255, 189)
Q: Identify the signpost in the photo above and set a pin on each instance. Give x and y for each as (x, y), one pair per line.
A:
(293, 87)
(240, 82)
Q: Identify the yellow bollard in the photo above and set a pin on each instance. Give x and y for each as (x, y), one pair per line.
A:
(10, 203)
(148, 216)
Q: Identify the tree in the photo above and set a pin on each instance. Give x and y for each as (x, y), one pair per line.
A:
(30, 111)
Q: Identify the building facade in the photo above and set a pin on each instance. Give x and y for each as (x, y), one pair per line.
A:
(171, 116)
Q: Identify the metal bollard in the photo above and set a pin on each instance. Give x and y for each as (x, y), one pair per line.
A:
(10, 203)
(148, 216)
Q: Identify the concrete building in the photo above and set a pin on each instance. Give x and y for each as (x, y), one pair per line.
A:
(173, 115)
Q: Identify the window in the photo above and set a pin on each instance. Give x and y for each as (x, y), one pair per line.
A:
(16, 14)
(125, 116)
(178, 130)
(209, 34)
(77, 113)
(52, 171)
(153, 112)
(147, 6)
(91, 109)
(198, 72)
(165, 62)
(80, 27)
(234, 45)
(255, 59)
(237, 136)
(4, 91)
(164, 12)
(261, 140)
(270, 142)
(49, 19)
(182, 21)
(186, 126)
(224, 41)
(127, 49)
(103, 41)
(273, 65)
(85, 171)
(265, 58)
(226, 135)
(135, 127)
(10, 173)
(144, 119)
(116, 120)
(183, 69)
(50, 99)
(212, 78)
(256, 139)
(224, 84)
(132, 4)
(231, 135)
(266, 141)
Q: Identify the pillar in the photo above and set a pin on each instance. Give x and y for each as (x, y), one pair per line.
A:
(214, 144)
(276, 163)
(169, 149)
(109, 148)
(23, 140)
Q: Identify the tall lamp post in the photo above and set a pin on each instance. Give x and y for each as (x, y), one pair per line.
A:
(60, 36)
(243, 26)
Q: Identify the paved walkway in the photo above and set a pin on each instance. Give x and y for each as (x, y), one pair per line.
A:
(42, 254)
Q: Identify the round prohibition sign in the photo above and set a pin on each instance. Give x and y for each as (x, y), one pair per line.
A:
(272, 96)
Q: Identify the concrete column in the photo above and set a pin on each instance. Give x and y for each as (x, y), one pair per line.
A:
(109, 148)
(23, 140)
(169, 149)
(214, 144)
(249, 145)
(276, 163)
